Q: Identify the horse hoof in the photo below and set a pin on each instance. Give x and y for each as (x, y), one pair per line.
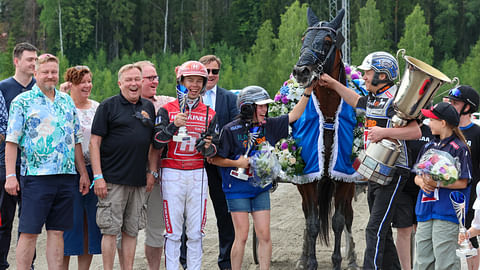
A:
(303, 264)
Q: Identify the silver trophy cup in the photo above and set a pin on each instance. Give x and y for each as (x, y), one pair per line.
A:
(417, 88)
(241, 173)
(458, 201)
(182, 134)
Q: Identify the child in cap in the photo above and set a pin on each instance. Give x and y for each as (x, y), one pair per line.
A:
(437, 231)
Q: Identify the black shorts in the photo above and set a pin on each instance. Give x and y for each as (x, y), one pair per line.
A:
(404, 213)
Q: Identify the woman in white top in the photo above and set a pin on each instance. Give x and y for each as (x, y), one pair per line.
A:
(84, 239)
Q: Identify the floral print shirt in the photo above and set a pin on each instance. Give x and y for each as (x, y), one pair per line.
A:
(3, 115)
(46, 132)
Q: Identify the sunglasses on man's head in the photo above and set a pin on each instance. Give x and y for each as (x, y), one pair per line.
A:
(46, 57)
(214, 71)
(82, 68)
(455, 92)
(151, 78)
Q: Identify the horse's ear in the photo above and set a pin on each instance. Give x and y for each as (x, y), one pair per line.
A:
(337, 22)
(311, 17)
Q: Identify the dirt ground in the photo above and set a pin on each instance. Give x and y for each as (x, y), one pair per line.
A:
(287, 224)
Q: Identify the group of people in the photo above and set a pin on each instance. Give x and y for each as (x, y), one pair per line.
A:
(95, 174)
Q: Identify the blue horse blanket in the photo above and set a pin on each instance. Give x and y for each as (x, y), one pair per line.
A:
(308, 130)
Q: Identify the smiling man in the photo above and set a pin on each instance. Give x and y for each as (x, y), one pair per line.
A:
(122, 132)
(44, 125)
(184, 181)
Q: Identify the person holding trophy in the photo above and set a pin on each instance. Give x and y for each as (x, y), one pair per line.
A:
(185, 128)
(381, 71)
(437, 213)
(238, 139)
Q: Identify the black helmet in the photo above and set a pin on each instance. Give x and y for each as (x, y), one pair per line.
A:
(248, 98)
(253, 95)
(466, 94)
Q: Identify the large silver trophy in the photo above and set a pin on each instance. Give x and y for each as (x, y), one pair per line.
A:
(465, 250)
(182, 134)
(416, 89)
(240, 173)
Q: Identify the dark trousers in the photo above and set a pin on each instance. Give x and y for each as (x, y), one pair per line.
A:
(226, 232)
(8, 206)
(380, 251)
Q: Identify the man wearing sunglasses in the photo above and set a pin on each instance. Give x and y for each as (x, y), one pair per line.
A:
(465, 99)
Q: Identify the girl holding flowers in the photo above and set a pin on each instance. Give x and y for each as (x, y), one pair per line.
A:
(437, 231)
(243, 197)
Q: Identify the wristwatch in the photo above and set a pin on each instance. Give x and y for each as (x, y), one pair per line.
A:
(154, 173)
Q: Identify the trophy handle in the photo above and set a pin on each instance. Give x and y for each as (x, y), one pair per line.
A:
(457, 80)
(400, 51)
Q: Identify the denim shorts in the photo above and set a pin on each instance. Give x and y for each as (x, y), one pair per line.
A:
(253, 204)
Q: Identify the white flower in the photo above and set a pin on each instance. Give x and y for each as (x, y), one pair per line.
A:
(292, 160)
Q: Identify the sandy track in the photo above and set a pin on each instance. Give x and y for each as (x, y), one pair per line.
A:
(287, 224)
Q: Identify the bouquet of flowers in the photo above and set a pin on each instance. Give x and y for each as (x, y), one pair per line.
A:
(358, 85)
(286, 98)
(440, 165)
(264, 165)
(288, 155)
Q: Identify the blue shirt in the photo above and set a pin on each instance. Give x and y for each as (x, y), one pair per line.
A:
(232, 144)
(10, 88)
(45, 131)
(442, 208)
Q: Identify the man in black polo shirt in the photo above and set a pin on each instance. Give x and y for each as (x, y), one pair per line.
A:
(24, 56)
(122, 133)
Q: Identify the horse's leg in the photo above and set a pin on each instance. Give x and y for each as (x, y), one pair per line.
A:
(342, 219)
(351, 255)
(308, 259)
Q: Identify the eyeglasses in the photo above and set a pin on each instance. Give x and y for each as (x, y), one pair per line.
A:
(213, 71)
(145, 121)
(151, 78)
(82, 68)
(455, 92)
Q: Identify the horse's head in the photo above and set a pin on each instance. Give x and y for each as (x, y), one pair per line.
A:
(318, 49)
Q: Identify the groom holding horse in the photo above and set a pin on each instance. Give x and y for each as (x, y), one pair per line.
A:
(381, 70)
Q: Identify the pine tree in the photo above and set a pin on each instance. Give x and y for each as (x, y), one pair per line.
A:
(370, 33)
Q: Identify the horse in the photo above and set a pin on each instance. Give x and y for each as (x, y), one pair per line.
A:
(321, 53)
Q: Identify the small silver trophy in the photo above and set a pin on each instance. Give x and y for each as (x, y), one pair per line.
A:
(182, 134)
(458, 201)
(240, 172)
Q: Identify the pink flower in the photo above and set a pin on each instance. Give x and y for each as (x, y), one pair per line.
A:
(278, 97)
(348, 70)
(285, 99)
(354, 76)
(294, 148)
(284, 145)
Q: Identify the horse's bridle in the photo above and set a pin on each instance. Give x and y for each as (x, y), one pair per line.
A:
(337, 41)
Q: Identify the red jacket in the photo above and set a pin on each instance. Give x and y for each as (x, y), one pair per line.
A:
(182, 155)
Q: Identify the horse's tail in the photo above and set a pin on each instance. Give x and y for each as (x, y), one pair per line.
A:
(326, 190)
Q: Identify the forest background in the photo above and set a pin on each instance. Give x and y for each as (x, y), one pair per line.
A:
(258, 41)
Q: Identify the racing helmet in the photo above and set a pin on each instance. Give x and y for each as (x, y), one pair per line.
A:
(468, 95)
(381, 62)
(249, 97)
(192, 68)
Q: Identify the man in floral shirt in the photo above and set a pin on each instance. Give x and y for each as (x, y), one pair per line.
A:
(44, 125)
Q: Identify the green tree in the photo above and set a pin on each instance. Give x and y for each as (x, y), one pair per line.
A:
(444, 29)
(370, 33)
(289, 42)
(416, 39)
(259, 61)
(469, 69)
